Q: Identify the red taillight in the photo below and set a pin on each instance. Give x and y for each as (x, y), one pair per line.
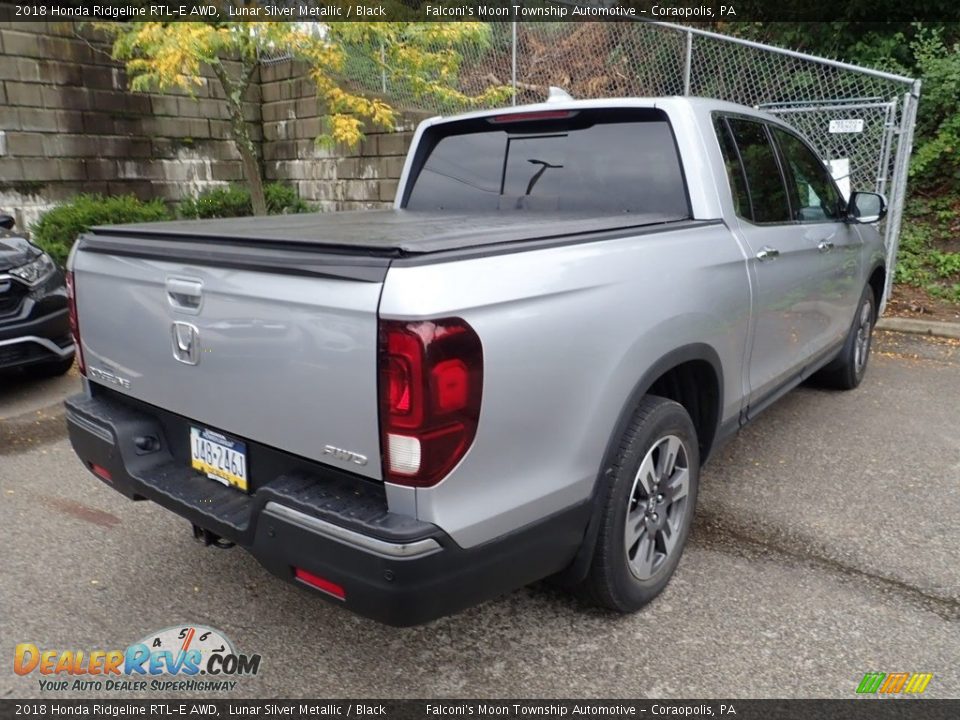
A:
(330, 588)
(101, 472)
(74, 323)
(431, 381)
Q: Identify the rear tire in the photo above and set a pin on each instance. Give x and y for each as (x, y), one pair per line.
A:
(648, 505)
(847, 371)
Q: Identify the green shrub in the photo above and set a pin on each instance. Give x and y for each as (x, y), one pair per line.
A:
(234, 201)
(915, 239)
(60, 227)
(929, 222)
(283, 199)
(947, 264)
(227, 201)
(936, 163)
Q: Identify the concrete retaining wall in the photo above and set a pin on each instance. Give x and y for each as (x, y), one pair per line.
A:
(339, 179)
(68, 125)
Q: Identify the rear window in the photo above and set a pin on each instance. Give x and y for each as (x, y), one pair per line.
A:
(591, 161)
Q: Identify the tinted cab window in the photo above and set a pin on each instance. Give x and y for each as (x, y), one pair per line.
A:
(611, 162)
(731, 161)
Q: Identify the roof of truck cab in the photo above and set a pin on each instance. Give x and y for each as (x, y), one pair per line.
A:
(666, 103)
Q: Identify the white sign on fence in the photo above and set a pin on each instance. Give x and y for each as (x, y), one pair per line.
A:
(849, 125)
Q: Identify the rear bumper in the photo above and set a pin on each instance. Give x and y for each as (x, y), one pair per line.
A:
(37, 340)
(334, 525)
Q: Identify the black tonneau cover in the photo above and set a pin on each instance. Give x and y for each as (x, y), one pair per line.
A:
(390, 233)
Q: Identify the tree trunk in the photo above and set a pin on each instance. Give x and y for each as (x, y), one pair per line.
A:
(251, 166)
(240, 134)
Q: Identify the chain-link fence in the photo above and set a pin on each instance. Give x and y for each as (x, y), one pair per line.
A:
(860, 120)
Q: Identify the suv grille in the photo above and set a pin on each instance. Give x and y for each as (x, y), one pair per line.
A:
(22, 353)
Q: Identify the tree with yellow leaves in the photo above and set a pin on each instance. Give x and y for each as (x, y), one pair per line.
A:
(171, 55)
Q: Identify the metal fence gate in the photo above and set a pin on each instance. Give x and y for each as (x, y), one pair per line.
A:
(861, 120)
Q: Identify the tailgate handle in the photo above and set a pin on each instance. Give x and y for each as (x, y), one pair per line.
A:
(185, 294)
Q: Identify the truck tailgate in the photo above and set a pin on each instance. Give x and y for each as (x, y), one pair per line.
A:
(286, 358)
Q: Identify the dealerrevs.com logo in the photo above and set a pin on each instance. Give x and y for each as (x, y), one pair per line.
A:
(189, 658)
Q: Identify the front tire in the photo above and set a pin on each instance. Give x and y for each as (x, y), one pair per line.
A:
(850, 366)
(648, 506)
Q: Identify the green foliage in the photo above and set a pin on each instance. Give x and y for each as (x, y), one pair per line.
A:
(283, 200)
(928, 222)
(426, 57)
(234, 201)
(912, 267)
(936, 160)
(946, 264)
(60, 227)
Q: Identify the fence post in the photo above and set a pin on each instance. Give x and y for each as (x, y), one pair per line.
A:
(513, 59)
(688, 60)
(901, 170)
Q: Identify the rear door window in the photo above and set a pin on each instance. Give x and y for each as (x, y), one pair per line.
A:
(731, 162)
(605, 162)
(768, 194)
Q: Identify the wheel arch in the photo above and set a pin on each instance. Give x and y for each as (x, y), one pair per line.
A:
(685, 356)
(685, 362)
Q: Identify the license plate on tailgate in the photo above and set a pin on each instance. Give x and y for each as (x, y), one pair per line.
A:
(220, 458)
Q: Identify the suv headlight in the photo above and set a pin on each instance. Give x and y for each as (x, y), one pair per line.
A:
(36, 270)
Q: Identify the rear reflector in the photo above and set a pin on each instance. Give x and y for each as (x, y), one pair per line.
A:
(101, 472)
(322, 584)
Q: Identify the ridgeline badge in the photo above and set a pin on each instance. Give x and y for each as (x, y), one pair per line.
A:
(168, 660)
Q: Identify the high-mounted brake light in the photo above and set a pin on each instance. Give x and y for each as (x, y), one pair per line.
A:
(431, 382)
(529, 116)
(74, 323)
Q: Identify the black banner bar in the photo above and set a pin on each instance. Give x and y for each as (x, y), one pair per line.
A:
(678, 11)
(855, 709)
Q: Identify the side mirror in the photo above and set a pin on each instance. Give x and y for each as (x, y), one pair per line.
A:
(7, 222)
(866, 207)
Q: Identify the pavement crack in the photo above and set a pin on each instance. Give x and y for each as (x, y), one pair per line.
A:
(714, 531)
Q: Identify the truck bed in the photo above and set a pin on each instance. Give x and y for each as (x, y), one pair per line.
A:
(382, 233)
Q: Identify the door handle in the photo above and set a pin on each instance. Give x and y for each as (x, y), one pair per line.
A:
(767, 253)
(825, 246)
(185, 294)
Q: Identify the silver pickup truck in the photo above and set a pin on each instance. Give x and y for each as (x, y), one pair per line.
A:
(517, 372)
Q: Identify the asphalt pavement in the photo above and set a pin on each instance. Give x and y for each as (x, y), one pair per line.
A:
(31, 410)
(826, 546)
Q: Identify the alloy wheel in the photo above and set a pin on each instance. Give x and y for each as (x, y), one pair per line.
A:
(657, 506)
(861, 348)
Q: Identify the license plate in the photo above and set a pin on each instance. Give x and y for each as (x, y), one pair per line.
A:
(218, 457)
